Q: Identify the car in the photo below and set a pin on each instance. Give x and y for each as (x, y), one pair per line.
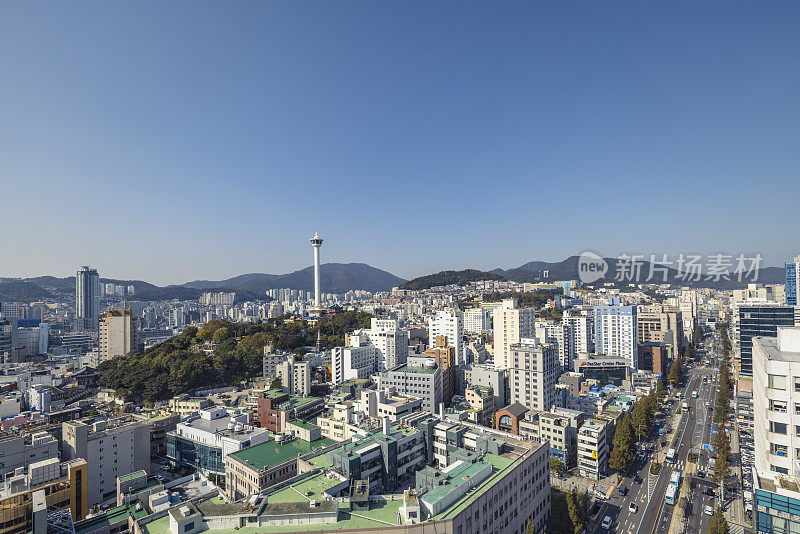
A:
(701, 473)
(599, 494)
(708, 510)
(632, 508)
(637, 479)
(606, 524)
(710, 492)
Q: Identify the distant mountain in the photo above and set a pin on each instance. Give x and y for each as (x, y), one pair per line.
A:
(12, 289)
(445, 278)
(334, 277)
(568, 270)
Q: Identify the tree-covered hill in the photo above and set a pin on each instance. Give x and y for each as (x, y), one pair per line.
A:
(178, 365)
(445, 278)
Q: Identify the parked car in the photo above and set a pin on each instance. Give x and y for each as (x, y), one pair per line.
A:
(606, 524)
(708, 510)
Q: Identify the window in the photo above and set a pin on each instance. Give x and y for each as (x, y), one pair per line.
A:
(777, 450)
(777, 406)
(797, 384)
(777, 428)
(777, 382)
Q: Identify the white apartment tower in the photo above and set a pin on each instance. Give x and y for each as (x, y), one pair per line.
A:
(477, 321)
(390, 342)
(615, 332)
(510, 325)
(448, 323)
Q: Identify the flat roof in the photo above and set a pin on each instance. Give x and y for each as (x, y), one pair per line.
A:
(412, 369)
(307, 489)
(271, 453)
(131, 476)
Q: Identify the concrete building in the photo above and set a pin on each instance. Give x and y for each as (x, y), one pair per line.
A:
(578, 333)
(533, 372)
(553, 333)
(87, 298)
(356, 361)
(774, 293)
(421, 382)
(481, 404)
(390, 342)
(660, 324)
(793, 282)
(615, 332)
(54, 484)
(295, 376)
(184, 405)
(445, 357)
(654, 357)
(202, 441)
(477, 321)
(22, 450)
(510, 325)
(111, 448)
(594, 445)
(776, 402)
(448, 325)
(118, 334)
(488, 375)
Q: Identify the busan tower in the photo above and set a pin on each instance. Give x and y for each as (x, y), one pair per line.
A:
(316, 242)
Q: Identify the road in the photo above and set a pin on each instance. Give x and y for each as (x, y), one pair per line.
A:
(692, 430)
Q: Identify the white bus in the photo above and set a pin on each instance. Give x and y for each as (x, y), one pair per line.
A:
(671, 456)
(675, 478)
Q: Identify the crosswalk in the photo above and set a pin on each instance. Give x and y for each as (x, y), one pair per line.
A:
(735, 528)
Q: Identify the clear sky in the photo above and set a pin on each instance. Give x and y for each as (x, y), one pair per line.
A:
(171, 141)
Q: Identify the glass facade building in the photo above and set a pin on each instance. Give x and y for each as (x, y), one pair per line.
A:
(760, 321)
(776, 514)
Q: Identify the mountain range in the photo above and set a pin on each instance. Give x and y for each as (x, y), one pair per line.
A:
(339, 278)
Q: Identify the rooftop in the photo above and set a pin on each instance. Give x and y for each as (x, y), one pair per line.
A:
(271, 453)
(307, 489)
(411, 369)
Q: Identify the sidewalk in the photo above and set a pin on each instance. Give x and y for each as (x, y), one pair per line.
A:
(733, 508)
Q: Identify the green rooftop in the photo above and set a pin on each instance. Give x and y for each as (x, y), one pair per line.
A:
(273, 393)
(307, 489)
(271, 453)
(500, 464)
(412, 369)
(297, 402)
(132, 476)
(303, 424)
(110, 517)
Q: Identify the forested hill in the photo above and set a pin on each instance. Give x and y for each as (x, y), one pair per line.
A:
(179, 365)
(445, 278)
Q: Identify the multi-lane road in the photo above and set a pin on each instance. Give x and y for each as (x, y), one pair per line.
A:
(692, 430)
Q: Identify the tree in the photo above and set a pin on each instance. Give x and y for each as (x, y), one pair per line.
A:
(572, 508)
(221, 334)
(557, 466)
(639, 420)
(718, 523)
(660, 392)
(722, 442)
(276, 383)
(697, 335)
(622, 445)
(675, 372)
(529, 528)
(721, 468)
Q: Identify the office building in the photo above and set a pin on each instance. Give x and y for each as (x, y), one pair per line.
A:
(444, 356)
(578, 333)
(774, 293)
(594, 444)
(751, 320)
(6, 337)
(553, 333)
(111, 448)
(118, 334)
(87, 298)
(295, 376)
(391, 343)
(19, 451)
(489, 376)
(660, 324)
(510, 325)
(202, 441)
(184, 405)
(654, 357)
(356, 361)
(532, 375)
(615, 332)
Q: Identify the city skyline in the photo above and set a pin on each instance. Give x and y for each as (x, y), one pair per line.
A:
(416, 138)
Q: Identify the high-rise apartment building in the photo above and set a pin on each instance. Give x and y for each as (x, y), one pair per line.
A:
(390, 342)
(578, 333)
(87, 298)
(533, 372)
(477, 320)
(510, 325)
(118, 334)
(552, 333)
(450, 325)
(660, 324)
(615, 332)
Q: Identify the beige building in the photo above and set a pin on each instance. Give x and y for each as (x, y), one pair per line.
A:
(481, 404)
(660, 324)
(184, 405)
(118, 334)
(533, 371)
(510, 325)
(111, 448)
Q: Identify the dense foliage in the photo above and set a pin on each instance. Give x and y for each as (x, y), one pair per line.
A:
(179, 365)
(445, 278)
(527, 299)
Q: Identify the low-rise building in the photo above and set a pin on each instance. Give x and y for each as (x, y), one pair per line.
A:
(19, 451)
(594, 440)
(184, 405)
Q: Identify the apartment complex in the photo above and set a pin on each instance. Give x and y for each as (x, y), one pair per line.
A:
(118, 334)
(511, 324)
(533, 372)
(615, 332)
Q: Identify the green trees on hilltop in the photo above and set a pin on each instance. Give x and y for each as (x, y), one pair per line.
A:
(179, 365)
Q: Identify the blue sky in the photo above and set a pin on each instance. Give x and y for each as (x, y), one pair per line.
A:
(171, 141)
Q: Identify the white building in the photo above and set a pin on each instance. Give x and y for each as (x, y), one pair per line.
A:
(390, 342)
(118, 334)
(594, 444)
(552, 333)
(776, 402)
(477, 321)
(578, 333)
(615, 332)
(423, 382)
(533, 372)
(356, 361)
(295, 376)
(450, 324)
(510, 325)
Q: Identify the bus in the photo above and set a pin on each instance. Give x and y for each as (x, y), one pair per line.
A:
(671, 456)
(675, 478)
(671, 494)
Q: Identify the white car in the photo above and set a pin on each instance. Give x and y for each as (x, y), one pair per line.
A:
(606, 524)
(633, 508)
(708, 510)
